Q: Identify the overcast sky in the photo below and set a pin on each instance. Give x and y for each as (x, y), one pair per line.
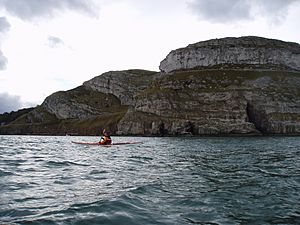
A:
(52, 45)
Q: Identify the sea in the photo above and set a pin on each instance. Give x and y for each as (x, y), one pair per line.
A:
(164, 180)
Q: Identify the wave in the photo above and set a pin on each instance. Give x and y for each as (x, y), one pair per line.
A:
(64, 163)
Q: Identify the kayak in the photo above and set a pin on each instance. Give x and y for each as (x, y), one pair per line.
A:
(116, 143)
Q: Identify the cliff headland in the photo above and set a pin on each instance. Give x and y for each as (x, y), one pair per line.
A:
(230, 86)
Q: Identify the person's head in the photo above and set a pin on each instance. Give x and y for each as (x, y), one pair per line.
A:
(106, 133)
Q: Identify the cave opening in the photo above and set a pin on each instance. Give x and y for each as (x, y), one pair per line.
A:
(254, 117)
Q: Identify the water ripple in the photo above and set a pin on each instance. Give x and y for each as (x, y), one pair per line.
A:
(48, 180)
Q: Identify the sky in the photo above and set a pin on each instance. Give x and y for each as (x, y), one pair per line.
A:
(54, 45)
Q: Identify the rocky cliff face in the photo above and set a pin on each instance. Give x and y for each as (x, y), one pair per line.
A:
(81, 103)
(230, 86)
(223, 86)
(219, 102)
(244, 52)
(122, 84)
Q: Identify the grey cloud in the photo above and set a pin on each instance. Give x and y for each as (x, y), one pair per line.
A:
(4, 24)
(3, 61)
(220, 11)
(4, 27)
(54, 42)
(276, 10)
(226, 11)
(30, 9)
(9, 102)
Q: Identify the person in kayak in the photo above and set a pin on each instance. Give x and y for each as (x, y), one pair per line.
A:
(106, 139)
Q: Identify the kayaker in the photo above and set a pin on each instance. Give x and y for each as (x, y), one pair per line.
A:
(106, 139)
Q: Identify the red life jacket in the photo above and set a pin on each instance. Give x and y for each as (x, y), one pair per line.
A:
(106, 141)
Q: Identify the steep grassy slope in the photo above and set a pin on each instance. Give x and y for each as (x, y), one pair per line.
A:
(6, 118)
(89, 112)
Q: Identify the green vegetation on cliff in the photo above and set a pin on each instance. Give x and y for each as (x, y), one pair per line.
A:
(6, 117)
(211, 101)
(104, 111)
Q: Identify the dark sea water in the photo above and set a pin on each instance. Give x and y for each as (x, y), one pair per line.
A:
(49, 180)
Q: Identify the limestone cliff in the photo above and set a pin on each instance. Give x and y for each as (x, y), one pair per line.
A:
(122, 84)
(217, 102)
(245, 52)
(230, 86)
(81, 103)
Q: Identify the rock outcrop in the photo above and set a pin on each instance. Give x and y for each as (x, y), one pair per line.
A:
(245, 52)
(81, 103)
(230, 86)
(122, 84)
